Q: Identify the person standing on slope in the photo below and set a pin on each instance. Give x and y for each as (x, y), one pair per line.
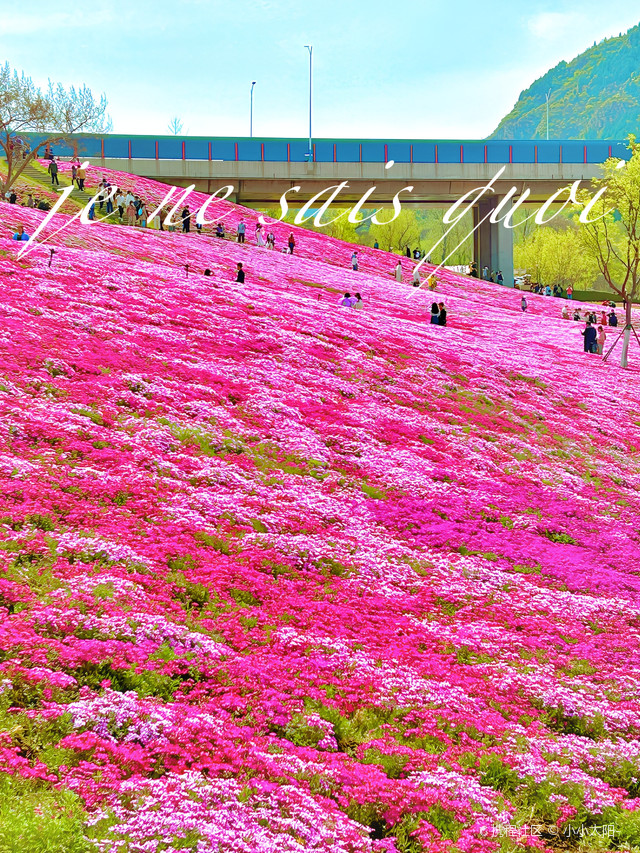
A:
(53, 171)
(435, 311)
(241, 231)
(601, 340)
(398, 271)
(354, 261)
(589, 335)
(523, 304)
(442, 316)
(292, 243)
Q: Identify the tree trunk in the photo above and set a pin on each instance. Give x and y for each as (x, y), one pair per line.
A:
(627, 334)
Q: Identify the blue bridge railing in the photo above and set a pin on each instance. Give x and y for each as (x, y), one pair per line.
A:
(270, 150)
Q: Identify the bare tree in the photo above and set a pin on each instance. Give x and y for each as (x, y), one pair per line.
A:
(55, 114)
(175, 126)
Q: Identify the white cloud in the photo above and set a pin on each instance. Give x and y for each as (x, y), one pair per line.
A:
(552, 26)
(17, 23)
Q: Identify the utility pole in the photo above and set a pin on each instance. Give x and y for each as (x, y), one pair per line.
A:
(310, 49)
(253, 83)
(548, 95)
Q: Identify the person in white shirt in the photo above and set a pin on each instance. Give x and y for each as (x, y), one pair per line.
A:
(415, 277)
(354, 262)
(121, 204)
(398, 271)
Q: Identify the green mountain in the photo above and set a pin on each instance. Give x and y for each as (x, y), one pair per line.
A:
(595, 96)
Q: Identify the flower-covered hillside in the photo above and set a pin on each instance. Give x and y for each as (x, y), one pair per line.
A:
(281, 576)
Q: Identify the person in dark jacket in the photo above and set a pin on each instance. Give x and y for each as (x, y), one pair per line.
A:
(53, 171)
(590, 335)
(435, 311)
(613, 319)
(442, 316)
(186, 220)
(240, 274)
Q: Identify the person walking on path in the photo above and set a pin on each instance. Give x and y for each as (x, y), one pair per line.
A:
(435, 311)
(354, 261)
(239, 274)
(523, 304)
(53, 171)
(589, 334)
(291, 242)
(398, 271)
(442, 316)
(602, 339)
(242, 228)
(82, 176)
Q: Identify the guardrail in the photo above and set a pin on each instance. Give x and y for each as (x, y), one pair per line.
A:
(339, 150)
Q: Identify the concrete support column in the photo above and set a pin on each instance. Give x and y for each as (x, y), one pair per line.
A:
(492, 242)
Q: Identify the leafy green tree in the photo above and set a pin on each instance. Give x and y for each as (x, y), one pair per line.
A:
(610, 231)
(556, 256)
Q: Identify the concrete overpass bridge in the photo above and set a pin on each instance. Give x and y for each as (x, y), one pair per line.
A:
(440, 171)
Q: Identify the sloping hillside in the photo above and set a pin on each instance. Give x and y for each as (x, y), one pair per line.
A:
(281, 576)
(595, 96)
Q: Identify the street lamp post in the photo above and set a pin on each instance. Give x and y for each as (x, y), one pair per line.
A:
(253, 83)
(310, 49)
(548, 95)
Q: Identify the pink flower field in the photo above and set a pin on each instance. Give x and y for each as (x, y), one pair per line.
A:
(278, 576)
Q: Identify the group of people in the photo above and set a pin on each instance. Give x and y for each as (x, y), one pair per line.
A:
(594, 341)
(349, 301)
(494, 276)
(590, 316)
(28, 199)
(267, 240)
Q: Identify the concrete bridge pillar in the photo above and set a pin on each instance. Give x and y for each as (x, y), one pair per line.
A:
(492, 242)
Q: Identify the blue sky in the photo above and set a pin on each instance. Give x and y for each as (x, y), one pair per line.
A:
(403, 69)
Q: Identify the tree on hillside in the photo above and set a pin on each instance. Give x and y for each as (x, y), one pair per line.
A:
(175, 126)
(405, 230)
(611, 236)
(54, 114)
(445, 238)
(553, 255)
